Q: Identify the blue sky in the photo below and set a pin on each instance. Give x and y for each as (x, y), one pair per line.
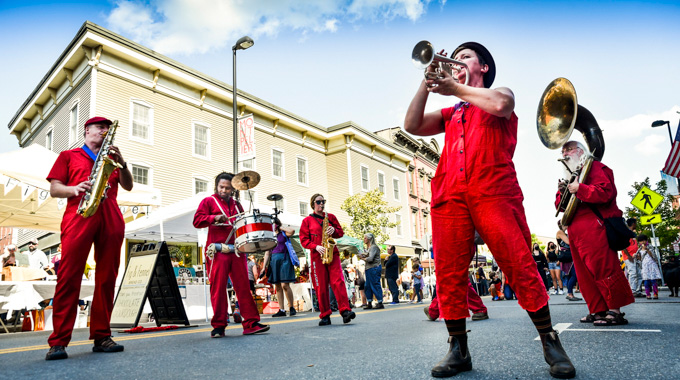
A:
(331, 61)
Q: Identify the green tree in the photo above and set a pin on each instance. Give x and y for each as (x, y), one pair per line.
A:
(369, 213)
(667, 230)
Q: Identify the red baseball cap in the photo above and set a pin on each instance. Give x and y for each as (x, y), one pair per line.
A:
(98, 120)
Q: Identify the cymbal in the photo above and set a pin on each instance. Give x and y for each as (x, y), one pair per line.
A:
(274, 197)
(245, 180)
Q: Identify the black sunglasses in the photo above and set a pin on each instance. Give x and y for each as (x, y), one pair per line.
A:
(320, 202)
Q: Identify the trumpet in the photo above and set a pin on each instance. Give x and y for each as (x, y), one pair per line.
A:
(423, 56)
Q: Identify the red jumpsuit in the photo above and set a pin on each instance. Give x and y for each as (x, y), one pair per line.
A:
(106, 229)
(475, 187)
(600, 278)
(322, 274)
(475, 302)
(226, 265)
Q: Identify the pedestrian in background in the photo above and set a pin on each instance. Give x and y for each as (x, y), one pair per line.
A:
(392, 273)
(633, 266)
(650, 267)
(373, 272)
(566, 262)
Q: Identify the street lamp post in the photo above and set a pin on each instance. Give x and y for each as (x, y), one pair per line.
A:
(242, 44)
(660, 123)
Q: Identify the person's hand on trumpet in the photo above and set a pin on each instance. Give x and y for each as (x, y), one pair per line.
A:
(442, 83)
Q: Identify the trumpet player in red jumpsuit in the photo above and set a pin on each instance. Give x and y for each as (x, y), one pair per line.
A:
(311, 236)
(475, 187)
(215, 212)
(601, 280)
(69, 178)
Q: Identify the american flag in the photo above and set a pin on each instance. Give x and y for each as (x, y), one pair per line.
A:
(672, 167)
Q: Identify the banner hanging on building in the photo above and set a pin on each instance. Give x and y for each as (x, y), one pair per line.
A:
(246, 146)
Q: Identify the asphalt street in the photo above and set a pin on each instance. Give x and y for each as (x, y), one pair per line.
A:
(397, 342)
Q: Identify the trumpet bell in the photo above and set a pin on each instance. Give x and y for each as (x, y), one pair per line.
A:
(423, 54)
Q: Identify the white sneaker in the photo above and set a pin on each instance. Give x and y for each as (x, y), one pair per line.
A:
(560, 292)
(553, 292)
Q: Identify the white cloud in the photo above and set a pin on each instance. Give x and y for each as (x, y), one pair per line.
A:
(199, 26)
(651, 145)
(638, 125)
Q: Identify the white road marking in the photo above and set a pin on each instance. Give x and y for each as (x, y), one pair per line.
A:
(561, 327)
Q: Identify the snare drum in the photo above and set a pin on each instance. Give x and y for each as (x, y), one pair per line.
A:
(255, 233)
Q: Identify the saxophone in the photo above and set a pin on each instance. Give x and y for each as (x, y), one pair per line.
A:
(99, 177)
(328, 243)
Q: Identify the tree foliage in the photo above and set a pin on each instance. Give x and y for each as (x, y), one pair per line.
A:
(369, 213)
(667, 230)
(534, 240)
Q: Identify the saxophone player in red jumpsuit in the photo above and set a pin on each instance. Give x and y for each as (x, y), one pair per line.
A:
(215, 212)
(311, 236)
(475, 187)
(69, 178)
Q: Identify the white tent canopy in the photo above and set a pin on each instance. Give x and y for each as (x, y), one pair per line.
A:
(26, 201)
(175, 222)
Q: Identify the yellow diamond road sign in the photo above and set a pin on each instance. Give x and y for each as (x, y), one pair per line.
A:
(651, 219)
(647, 200)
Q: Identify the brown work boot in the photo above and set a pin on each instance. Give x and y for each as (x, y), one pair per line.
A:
(556, 357)
(106, 345)
(454, 362)
(56, 353)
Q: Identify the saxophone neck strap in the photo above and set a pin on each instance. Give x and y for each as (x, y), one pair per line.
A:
(89, 152)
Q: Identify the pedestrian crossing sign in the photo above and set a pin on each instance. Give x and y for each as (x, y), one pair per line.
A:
(647, 200)
(651, 219)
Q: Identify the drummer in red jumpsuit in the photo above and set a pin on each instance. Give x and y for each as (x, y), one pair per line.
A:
(215, 212)
(69, 178)
(323, 274)
(601, 280)
(475, 187)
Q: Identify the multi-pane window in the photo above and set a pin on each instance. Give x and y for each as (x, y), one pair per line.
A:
(383, 228)
(200, 186)
(398, 221)
(201, 140)
(73, 125)
(140, 174)
(49, 139)
(248, 195)
(410, 182)
(277, 163)
(425, 228)
(302, 170)
(364, 178)
(422, 187)
(381, 182)
(395, 183)
(303, 208)
(414, 221)
(247, 164)
(141, 121)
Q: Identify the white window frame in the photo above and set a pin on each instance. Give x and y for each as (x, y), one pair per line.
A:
(397, 219)
(242, 195)
(297, 170)
(145, 165)
(194, 124)
(283, 163)
(368, 177)
(414, 213)
(50, 135)
(381, 174)
(252, 162)
(200, 178)
(142, 103)
(397, 190)
(306, 204)
(73, 127)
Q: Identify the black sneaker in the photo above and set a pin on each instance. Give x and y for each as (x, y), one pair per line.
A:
(279, 313)
(292, 311)
(325, 321)
(379, 306)
(56, 353)
(106, 345)
(369, 306)
(218, 332)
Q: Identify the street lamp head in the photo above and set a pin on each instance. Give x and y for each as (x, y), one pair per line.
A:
(660, 123)
(243, 43)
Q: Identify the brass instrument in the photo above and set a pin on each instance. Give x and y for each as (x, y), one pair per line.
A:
(423, 55)
(558, 115)
(328, 243)
(99, 177)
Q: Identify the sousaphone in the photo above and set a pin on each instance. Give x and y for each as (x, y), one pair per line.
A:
(558, 115)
